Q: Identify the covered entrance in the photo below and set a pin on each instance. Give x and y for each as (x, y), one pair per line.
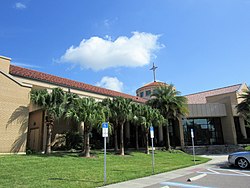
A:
(207, 131)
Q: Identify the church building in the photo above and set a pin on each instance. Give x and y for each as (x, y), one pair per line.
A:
(212, 114)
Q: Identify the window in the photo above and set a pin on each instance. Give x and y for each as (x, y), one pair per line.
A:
(148, 93)
(154, 91)
(141, 94)
(207, 131)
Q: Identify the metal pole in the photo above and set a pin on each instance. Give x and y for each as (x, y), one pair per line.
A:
(105, 178)
(153, 159)
(193, 149)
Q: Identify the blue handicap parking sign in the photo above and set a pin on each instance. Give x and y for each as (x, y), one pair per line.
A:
(105, 125)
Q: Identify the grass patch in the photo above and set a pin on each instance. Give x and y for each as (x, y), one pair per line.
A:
(69, 170)
(247, 148)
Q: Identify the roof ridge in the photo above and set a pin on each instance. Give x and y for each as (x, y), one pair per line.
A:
(60, 77)
(157, 82)
(214, 89)
(91, 88)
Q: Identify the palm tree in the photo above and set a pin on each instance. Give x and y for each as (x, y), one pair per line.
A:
(68, 101)
(90, 112)
(171, 105)
(149, 117)
(244, 106)
(121, 107)
(112, 118)
(52, 104)
(136, 108)
(120, 112)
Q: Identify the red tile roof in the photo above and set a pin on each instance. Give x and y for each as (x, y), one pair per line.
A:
(64, 82)
(200, 98)
(152, 84)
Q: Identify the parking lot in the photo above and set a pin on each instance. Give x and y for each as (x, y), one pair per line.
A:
(219, 175)
(215, 173)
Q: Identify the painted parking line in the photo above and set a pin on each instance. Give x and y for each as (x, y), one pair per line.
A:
(225, 172)
(219, 169)
(176, 184)
(242, 173)
(213, 171)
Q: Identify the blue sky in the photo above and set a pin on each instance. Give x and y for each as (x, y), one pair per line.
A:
(196, 44)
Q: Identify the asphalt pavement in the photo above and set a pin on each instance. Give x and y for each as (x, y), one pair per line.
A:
(158, 180)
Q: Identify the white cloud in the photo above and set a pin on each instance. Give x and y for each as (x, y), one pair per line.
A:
(109, 22)
(101, 53)
(19, 5)
(110, 83)
(106, 23)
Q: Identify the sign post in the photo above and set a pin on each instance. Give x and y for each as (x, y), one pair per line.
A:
(105, 135)
(152, 141)
(192, 136)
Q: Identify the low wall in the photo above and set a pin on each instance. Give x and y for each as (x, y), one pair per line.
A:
(213, 149)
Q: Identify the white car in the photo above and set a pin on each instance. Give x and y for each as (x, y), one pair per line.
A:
(240, 159)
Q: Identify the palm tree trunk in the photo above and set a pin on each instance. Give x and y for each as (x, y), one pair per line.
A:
(147, 148)
(87, 146)
(82, 131)
(48, 140)
(168, 147)
(121, 140)
(136, 138)
(115, 140)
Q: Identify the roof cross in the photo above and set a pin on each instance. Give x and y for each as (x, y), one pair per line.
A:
(153, 69)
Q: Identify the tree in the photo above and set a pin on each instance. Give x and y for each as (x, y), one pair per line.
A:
(121, 108)
(52, 104)
(244, 106)
(90, 112)
(149, 117)
(171, 105)
(136, 108)
(68, 101)
(112, 118)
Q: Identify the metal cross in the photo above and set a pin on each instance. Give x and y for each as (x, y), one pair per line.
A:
(153, 69)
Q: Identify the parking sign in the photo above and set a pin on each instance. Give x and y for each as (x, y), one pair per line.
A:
(151, 132)
(105, 129)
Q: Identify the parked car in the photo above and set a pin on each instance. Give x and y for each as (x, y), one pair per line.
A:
(240, 159)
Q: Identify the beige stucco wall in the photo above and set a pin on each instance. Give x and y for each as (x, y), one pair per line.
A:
(14, 114)
(231, 100)
(228, 127)
(217, 98)
(4, 64)
(206, 110)
(241, 91)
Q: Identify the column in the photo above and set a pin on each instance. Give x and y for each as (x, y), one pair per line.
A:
(243, 127)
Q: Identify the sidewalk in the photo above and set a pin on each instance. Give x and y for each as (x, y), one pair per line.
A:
(158, 178)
